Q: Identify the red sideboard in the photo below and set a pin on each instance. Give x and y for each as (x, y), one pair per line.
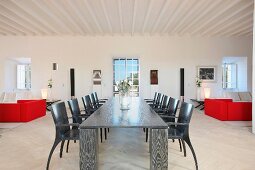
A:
(22, 111)
(227, 109)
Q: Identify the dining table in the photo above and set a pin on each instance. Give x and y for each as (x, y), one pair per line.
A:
(110, 115)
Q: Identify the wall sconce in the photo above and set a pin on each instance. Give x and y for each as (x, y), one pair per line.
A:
(55, 66)
(44, 93)
(207, 92)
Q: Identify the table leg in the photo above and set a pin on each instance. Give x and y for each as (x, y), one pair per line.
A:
(159, 149)
(89, 149)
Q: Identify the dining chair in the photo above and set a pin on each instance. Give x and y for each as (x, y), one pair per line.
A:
(180, 129)
(170, 110)
(63, 130)
(88, 105)
(157, 101)
(94, 102)
(163, 105)
(151, 100)
(76, 115)
(99, 100)
(89, 109)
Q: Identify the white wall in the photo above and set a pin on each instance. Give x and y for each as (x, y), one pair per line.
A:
(10, 75)
(167, 54)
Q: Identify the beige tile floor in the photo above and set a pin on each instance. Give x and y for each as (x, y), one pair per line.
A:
(218, 145)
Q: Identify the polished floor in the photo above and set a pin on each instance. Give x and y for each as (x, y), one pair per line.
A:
(218, 145)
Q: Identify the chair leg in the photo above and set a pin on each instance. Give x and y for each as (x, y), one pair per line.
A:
(101, 135)
(55, 144)
(105, 133)
(108, 130)
(61, 148)
(74, 141)
(173, 140)
(146, 129)
(143, 129)
(184, 148)
(67, 145)
(180, 145)
(187, 140)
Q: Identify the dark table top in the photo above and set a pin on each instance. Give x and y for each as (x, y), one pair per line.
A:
(199, 101)
(140, 115)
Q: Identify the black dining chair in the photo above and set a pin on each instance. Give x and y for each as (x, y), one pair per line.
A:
(89, 109)
(94, 102)
(99, 100)
(166, 114)
(88, 105)
(151, 100)
(63, 128)
(169, 114)
(163, 105)
(156, 103)
(76, 115)
(180, 129)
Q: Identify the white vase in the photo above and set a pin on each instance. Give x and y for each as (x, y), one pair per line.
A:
(124, 101)
(198, 93)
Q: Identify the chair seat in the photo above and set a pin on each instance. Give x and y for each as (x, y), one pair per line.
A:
(160, 110)
(73, 134)
(168, 119)
(174, 133)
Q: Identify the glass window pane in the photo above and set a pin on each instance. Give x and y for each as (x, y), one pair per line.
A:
(135, 82)
(129, 62)
(125, 69)
(135, 61)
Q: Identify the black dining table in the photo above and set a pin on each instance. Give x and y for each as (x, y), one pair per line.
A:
(139, 115)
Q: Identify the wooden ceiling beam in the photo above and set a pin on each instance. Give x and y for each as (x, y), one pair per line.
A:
(106, 16)
(134, 17)
(236, 27)
(148, 12)
(92, 14)
(230, 24)
(161, 14)
(211, 7)
(232, 15)
(120, 16)
(71, 22)
(180, 6)
(217, 15)
(32, 23)
(194, 8)
(43, 6)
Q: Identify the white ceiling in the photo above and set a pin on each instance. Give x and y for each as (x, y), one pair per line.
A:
(127, 17)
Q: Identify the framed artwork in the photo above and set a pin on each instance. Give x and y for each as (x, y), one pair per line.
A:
(97, 77)
(207, 73)
(154, 77)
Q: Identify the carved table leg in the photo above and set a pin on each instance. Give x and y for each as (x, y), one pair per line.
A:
(89, 149)
(159, 149)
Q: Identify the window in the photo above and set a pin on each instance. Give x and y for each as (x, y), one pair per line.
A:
(24, 76)
(126, 68)
(229, 76)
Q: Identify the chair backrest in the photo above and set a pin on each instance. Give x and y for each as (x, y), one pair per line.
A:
(75, 110)
(87, 104)
(59, 115)
(155, 96)
(172, 106)
(158, 98)
(161, 100)
(96, 97)
(93, 99)
(185, 115)
(88, 101)
(164, 102)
